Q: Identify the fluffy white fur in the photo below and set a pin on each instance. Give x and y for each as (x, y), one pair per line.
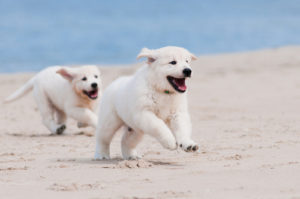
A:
(146, 102)
(62, 92)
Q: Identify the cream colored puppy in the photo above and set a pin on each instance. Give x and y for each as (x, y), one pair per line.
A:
(152, 101)
(63, 91)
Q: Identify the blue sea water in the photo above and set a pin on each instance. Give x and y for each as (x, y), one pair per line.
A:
(38, 33)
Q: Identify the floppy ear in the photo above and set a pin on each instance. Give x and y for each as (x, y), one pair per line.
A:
(193, 57)
(65, 73)
(145, 52)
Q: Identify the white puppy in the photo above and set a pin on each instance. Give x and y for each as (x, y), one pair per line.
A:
(152, 101)
(64, 91)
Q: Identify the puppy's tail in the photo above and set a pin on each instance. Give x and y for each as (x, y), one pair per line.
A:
(21, 91)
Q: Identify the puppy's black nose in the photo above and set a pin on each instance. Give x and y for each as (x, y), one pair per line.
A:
(187, 72)
(94, 85)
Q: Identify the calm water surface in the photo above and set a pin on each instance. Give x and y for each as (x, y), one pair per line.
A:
(39, 33)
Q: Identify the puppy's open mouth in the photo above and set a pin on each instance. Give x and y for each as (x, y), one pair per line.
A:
(177, 83)
(93, 94)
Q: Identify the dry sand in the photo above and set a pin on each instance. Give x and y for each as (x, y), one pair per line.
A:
(245, 110)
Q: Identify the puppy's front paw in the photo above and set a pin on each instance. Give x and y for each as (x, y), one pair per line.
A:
(169, 143)
(61, 129)
(99, 156)
(132, 157)
(130, 154)
(189, 146)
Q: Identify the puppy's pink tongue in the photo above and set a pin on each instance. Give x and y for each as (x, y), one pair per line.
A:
(182, 87)
(180, 84)
(94, 94)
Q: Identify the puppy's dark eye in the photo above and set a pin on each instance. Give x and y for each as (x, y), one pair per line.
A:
(96, 76)
(84, 79)
(187, 61)
(173, 62)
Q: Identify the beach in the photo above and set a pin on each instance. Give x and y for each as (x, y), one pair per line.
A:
(245, 111)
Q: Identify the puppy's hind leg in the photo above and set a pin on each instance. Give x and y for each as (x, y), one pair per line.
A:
(61, 120)
(47, 111)
(130, 140)
(108, 124)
